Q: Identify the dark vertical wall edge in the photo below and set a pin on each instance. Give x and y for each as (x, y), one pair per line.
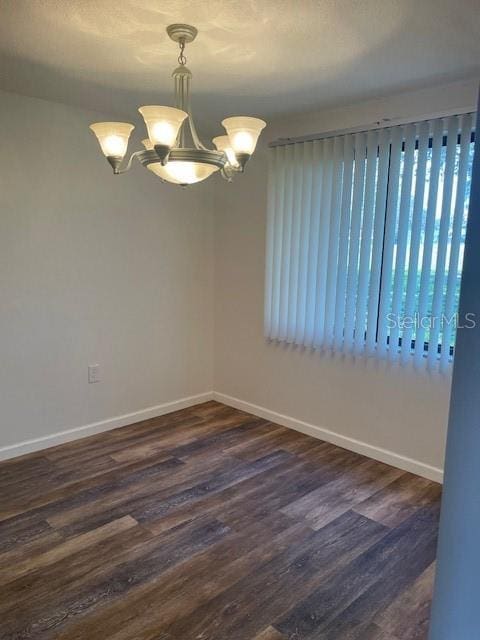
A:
(456, 606)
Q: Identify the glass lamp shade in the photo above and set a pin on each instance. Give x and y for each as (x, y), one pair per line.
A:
(183, 172)
(223, 144)
(113, 137)
(163, 124)
(180, 172)
(243, 133)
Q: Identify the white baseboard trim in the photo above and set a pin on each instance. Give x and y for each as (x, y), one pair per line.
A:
(37, 444)
(371, 451)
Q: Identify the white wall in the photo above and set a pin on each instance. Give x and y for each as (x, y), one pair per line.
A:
(120, 271)
(94, 268)
(402, 411)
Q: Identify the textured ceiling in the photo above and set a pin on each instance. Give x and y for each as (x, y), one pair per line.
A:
(259, 57)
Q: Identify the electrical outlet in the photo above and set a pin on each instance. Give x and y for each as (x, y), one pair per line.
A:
(93, 373)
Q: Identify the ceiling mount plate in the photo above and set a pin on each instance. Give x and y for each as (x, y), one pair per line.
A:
(182, 32)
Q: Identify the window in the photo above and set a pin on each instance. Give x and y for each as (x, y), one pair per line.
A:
(365, 237)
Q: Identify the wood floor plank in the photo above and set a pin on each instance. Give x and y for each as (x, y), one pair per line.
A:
(270, 633)
(266, 498)
(220, 481)
(79, 502)
(106, 443)
(213, 408)
(212, 524)
(278, 440)
(37, 591)
(189, 585)
(224, 439)
(416, 600)
(21, 551)
(20, 470)
(182, 427)
(249, 605)
(255, 496)
(399, 500)
(368, 632)
(154, 499)
(65, 549)
(174, 474)
(117, 474)
(93, 487)
(306, 447)
(361, 589)
(153, 445)
(250, 499)
(158, 556)
(352, 487)
(21, 530)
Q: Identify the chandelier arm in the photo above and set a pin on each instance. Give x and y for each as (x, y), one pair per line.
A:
(196, 140)
(228, 172)
(226, 175)
(128, 166)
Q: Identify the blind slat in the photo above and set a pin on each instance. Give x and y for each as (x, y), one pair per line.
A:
(366, 243)
(424, 294)
(317, 171)
(378, 233)
(439, 283)
(323, 243)
(453, 275)
(269, 250)
(402, 237)
(277, 239)
(357, 210)
(332, 264)
(389, 240)
(297, 213)
(415, 238)
(345, 213)
(286, 244)
(304, 243)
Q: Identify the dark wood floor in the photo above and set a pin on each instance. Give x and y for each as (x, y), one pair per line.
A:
(210, 523)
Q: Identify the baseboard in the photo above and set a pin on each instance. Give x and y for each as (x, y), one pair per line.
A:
(371, 451)
(37, 444)
(377, 453)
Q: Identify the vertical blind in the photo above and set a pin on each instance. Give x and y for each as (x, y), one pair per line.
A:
(365, 238)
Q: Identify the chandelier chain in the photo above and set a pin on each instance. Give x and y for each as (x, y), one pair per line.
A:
(182, 60)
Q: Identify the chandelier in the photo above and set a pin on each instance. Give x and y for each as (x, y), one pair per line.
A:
(173, 151)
